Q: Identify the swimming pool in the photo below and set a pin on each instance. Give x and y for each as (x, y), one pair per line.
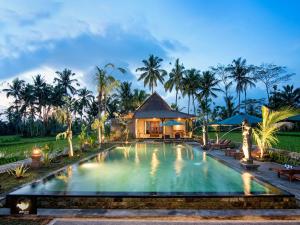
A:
(149, 170)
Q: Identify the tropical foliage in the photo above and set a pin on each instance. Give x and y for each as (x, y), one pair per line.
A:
(264, 134)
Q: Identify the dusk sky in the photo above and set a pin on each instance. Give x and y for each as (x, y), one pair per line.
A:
(41, 37)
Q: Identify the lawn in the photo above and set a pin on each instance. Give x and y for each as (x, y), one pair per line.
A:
(287, 140)
(13, 148)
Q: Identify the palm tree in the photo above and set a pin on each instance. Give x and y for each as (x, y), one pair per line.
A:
(124, 95)
(151, 72)
(264, 134)
(64, 115)
(40, 91)
(105, 84)
(85, 99)
(175, 79)
(247, 82)
(290, 96)
(239, 71)
(208, 86)
(139, 96)
(190, 86)
(15, 89)
(66, 82)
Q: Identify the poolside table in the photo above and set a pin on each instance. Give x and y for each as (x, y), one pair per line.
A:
(290, 173)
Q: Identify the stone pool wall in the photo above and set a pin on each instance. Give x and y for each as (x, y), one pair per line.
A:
(243, 202)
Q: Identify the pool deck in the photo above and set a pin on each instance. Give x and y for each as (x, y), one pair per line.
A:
(263, 173)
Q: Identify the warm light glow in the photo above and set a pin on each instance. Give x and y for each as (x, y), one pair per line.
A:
(179, 162)
(179, 119)
(204, 156)
(247, 183)
(154, 163)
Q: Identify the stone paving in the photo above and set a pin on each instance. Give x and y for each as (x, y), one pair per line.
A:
(163, 222)
(263, 173)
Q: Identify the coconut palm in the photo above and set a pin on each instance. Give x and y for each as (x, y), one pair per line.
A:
(105, 84)
(139, 96)
(265, 132)
(124, 94)
(175, 79)
(208, 86)
(290, 96)
(63, 115)
(65, 80)
(85, 97)
(40, 91)
(190, 86)
(239, 70)
(152, 72)
(14, 90)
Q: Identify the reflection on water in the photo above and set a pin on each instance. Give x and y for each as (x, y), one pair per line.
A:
(178, 162)
(151, 168)
(136, 155)
(154, 163)
(204, 156)
(247, 183)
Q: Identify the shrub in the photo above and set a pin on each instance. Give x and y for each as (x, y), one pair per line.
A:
(19, 171)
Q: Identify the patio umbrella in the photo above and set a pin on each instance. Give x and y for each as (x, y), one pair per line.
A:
(171, 123)
(294, 118)
(238, 119)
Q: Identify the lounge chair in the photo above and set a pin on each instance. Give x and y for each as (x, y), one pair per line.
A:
(225, 144)
(217, 145)
(290, 173)
(296, 177)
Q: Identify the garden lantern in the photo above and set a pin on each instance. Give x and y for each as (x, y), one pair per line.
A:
(36, 156)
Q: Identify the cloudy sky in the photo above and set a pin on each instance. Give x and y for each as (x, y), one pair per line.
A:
(41, 37)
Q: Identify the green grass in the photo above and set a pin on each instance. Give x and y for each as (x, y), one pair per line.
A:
(286, 140)
(13, 148)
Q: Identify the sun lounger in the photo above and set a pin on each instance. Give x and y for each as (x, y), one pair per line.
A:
(290, 173)
(221, 145)
(225, 144)
(296, 177)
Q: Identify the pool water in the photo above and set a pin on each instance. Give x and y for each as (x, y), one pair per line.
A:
(150, 168)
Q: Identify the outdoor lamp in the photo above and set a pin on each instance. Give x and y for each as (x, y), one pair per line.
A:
(36, 156)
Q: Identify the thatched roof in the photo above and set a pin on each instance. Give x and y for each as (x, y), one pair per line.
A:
(156, 107)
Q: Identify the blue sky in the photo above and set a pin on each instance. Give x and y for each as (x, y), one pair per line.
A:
(46, 36)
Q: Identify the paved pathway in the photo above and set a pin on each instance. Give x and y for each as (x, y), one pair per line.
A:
(263, 173)
(170, 222)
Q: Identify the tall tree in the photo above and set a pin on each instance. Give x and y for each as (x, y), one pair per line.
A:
(85, 98)
(15, 90)
(105, 84)
(208, 86)
(65, 80)
(139, 96)
(290, 96)
(239, 71)
(270, 75)
(191, 86)
(40, 92)
(152, 72)
(124, 94)
(175, 79)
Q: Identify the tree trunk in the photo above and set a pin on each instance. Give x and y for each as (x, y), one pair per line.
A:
(245, 102)
(189, 105)
(176, 97)
(194, 105)
(99, 135)
(71, 152)
(239, 101)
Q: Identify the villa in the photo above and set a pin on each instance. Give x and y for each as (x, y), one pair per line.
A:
(155, 119)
